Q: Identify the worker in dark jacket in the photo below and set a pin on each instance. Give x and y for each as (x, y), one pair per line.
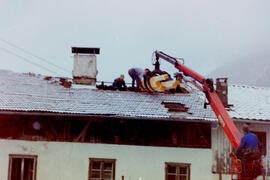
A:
(119, 83)
(249, 148)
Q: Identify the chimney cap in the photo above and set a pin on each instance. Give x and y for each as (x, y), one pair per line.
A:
(85, 50)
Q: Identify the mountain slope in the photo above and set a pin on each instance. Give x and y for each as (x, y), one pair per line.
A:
(253, 70)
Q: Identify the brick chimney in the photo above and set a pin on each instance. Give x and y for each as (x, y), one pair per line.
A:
(85, 65)
(222, 90)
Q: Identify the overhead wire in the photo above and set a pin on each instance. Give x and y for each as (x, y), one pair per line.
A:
(28, 60)
(34, 55)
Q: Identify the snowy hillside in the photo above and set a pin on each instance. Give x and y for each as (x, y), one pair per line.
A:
(254, 71)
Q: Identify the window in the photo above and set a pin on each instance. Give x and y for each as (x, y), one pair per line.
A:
(22, 167)
(101, 169)
(262, 138)
(177, 171)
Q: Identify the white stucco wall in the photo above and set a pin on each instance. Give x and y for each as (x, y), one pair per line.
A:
(69, 161)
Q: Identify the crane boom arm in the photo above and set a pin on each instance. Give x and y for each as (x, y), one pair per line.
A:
(222, 115)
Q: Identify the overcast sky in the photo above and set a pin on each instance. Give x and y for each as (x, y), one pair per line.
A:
(206, 33)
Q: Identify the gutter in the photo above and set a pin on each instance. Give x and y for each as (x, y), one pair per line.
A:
(259, 121)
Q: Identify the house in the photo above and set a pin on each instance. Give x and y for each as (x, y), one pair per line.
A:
(48, 131)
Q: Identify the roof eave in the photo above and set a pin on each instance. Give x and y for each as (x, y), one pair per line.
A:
(111, 116)
(257, 121)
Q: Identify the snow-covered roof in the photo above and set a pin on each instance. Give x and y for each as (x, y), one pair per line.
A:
(31, 93)
(249, 102)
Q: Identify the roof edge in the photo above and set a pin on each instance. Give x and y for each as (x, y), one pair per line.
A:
(112, 116)
(257, 121)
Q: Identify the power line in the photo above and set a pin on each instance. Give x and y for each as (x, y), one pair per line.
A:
(29, 61)
(36, 56)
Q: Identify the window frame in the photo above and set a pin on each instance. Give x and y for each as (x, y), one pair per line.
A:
(262, 136)
(102, 160)
(177, 165)
(23, 157)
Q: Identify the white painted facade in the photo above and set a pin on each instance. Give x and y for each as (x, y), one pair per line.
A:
(70, 161)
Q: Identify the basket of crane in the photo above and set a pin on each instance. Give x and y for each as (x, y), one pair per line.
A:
(250, 171)
(236, 167)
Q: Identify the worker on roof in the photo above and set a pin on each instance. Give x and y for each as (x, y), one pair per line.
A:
(137, 74)
(119, 83)
(249, 149)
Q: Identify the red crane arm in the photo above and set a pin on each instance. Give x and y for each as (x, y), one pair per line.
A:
(222, 115)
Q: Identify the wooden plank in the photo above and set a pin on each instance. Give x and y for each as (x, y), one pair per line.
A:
(54, 132)
(81, 136)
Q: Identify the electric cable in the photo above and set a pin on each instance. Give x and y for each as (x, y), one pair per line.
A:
(29, 61)
(36, 56)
